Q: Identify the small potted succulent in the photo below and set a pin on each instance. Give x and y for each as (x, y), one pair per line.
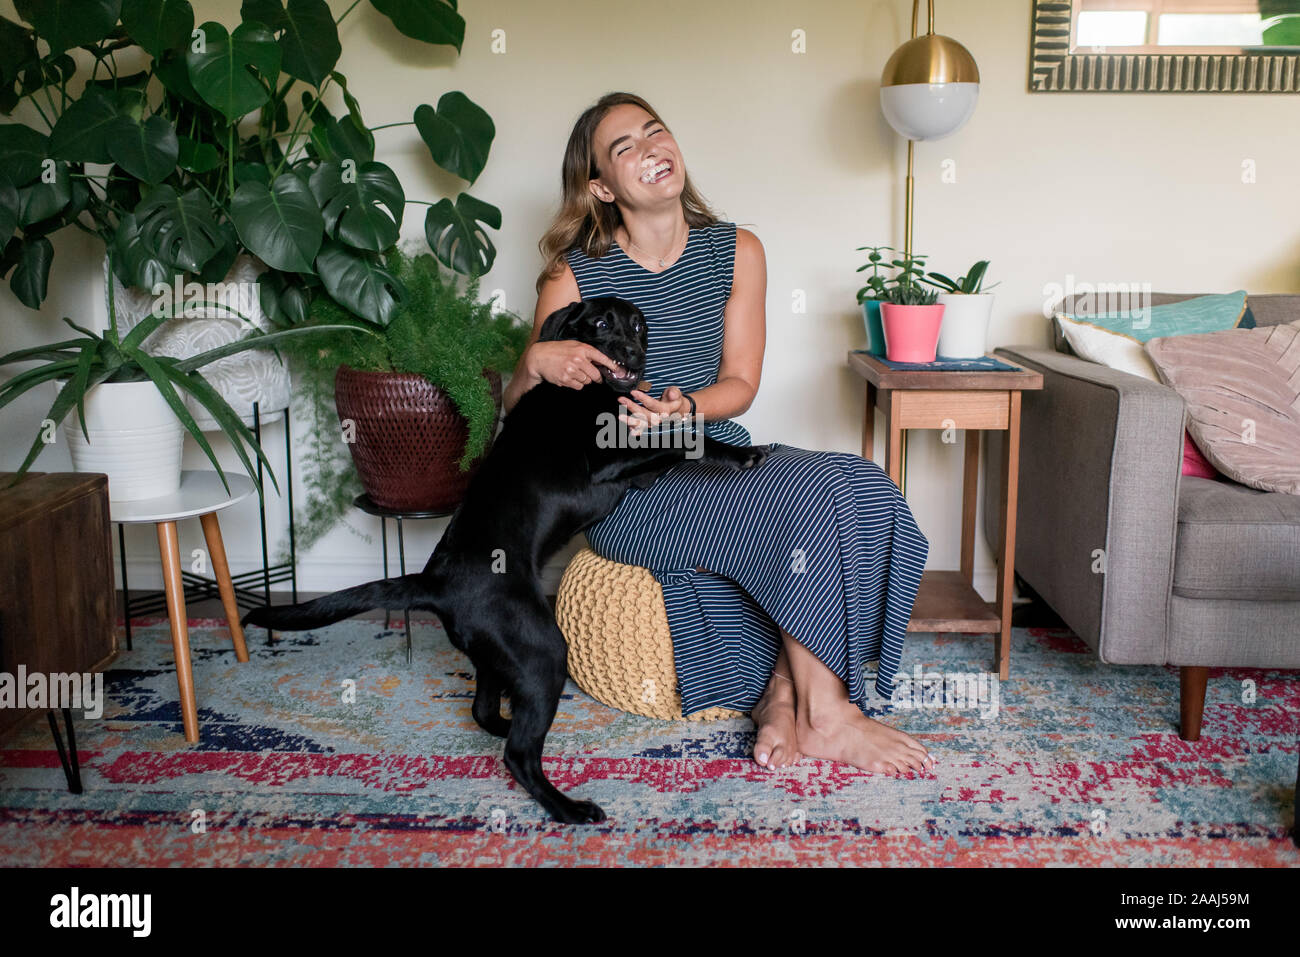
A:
(870, 296)
(967, 308)
(910, 315)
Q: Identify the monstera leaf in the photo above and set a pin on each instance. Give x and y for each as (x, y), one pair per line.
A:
(281, 224)
(46, 197)
(433, 21)
(158, 25)
(135, 262)
(9, 205)
(32, 271)
(23, 152)
(456, 238)
(362, 204)
(458, 133)
(81, 134)
(221, 69)
(65, 24)
(180, 228)
(147, 150)
(310, 43)
(359, 281)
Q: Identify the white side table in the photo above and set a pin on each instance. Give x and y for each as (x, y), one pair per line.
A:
(202, 494)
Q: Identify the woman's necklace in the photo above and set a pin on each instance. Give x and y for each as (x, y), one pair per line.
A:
(662, 263)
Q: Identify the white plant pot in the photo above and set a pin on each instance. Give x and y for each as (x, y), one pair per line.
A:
(964, 334)
(135, 439)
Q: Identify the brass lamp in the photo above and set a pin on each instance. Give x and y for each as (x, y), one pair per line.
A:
(927, 90)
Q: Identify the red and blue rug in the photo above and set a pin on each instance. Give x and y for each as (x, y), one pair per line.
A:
(328, 749)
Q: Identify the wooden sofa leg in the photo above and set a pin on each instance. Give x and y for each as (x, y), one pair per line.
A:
(1191, 703)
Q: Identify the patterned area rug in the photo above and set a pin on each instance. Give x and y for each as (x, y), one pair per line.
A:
(1074, 763)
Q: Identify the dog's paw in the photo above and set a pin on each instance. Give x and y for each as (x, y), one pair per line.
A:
(581, 812)
(755, 456)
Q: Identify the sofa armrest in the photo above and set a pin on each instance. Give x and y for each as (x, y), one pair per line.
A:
(1100, 465)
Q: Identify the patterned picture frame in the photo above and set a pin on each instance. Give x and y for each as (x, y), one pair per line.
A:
(1054, 69)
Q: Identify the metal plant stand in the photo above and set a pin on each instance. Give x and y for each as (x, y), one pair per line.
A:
(367, 505)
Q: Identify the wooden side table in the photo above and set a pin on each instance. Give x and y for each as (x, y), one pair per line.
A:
(201, 494)
(971, 401)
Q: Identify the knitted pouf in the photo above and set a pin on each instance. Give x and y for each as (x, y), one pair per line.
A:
(620, 648)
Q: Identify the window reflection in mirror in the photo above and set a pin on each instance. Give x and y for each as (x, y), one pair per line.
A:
(1185, 26)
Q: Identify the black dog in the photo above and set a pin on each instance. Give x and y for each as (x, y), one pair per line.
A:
(548, 476)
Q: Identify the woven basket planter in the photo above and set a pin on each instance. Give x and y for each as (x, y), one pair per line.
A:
(409, 438)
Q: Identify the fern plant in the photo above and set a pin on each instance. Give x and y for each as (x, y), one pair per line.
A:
(439, 330)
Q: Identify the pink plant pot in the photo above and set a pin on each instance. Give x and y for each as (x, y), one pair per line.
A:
(911, 332)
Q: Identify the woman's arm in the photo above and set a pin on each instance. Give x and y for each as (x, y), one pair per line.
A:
(555, 293)
(744, 337)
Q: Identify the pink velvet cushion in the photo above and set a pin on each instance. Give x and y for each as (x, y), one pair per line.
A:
(1242, 389)
(1194, 463)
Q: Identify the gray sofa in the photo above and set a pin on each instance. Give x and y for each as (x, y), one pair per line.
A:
(1198, 573)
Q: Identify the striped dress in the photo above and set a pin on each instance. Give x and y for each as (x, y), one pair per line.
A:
(820, 543)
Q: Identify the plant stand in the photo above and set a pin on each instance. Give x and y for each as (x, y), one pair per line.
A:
(367, 505)
(247, 595)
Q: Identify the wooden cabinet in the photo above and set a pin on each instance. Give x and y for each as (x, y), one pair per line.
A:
(58, 603)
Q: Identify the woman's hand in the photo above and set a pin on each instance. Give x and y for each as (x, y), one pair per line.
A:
(650, 412)
(566, 362)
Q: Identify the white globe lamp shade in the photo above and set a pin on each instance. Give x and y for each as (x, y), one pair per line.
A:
(928, 111)
(929, 87)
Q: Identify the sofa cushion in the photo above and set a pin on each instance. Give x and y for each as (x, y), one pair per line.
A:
(1236, 542)
(1115, 339)
(1242, 389)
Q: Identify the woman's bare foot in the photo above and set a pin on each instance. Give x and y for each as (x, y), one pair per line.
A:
(777, 745)
(843, 733)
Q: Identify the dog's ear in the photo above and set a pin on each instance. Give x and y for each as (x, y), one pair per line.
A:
(555, 324)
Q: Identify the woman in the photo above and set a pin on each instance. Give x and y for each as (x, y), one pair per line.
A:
(819, 543)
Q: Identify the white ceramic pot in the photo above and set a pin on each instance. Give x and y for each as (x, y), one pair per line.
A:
(135, 439)
(964, 334)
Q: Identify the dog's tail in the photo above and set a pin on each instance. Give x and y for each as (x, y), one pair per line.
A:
(406, 591)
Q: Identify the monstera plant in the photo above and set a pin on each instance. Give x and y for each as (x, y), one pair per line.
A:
(183, 144)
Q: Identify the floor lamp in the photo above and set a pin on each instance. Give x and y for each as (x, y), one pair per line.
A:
(928, 90)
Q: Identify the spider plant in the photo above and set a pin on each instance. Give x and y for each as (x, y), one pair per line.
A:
(90, 359)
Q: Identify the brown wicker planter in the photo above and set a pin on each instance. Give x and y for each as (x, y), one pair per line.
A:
(409, 438)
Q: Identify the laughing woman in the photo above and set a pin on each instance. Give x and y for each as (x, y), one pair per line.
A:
(781, 582)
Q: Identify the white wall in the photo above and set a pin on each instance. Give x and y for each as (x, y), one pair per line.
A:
(1107, 187)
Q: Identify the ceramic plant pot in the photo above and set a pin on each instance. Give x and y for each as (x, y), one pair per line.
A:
(911, 332)
(965, 330)
(135, 439)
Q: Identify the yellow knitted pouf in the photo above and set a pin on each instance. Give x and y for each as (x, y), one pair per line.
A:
(620, 648)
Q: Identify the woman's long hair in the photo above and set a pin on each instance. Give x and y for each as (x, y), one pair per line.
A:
(585, 221)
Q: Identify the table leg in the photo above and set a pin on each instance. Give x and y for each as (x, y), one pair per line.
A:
(869, 425)
(894, 441)
(969, 486)
(126, 589)
(221, 569)
(406, 612)
(169, 548)
(1007, 522)
(383, 532)
(71, 765)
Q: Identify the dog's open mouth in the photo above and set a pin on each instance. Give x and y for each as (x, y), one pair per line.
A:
(620, 378)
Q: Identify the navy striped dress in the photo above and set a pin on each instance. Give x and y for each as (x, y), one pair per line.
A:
(820, 543)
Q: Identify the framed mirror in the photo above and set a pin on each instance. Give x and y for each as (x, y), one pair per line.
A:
(1169, 46)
